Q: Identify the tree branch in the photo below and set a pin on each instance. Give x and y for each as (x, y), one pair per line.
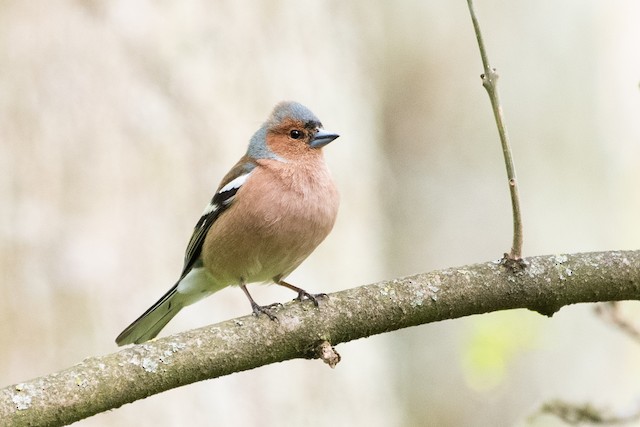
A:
(303, 331)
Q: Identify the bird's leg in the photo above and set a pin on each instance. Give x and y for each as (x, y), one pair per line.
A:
(302, 294)
(257, 309)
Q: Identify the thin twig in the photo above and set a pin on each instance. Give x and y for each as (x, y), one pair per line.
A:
(490, 83)
(610, 311)
(583, 414)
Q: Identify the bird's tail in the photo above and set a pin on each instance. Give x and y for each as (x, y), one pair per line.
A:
(154, 319)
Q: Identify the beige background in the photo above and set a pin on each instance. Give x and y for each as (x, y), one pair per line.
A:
(117, 120)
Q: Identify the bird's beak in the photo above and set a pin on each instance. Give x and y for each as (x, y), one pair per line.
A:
(322, 138)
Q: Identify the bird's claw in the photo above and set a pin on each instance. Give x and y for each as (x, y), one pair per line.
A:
(266, 310)
(302, 295)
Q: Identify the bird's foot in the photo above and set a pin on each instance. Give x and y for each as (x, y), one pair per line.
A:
(302, 295)
(265, 309)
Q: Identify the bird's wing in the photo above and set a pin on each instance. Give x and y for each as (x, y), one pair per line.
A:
(221, 200)
(155, 318)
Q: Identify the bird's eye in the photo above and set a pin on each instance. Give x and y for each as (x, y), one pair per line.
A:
(296, 134)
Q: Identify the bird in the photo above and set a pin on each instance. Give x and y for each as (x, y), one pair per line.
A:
(268, 214)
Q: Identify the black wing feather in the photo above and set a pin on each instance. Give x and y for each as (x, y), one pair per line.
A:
(219, 203)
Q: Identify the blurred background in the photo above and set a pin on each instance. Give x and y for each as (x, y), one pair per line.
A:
(118, 119)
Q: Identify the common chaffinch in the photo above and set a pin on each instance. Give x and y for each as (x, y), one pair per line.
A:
(271, 210)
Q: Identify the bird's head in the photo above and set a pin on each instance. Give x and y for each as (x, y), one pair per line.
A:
(291, 132)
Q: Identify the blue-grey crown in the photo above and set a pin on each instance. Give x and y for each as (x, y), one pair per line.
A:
(293, 110)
